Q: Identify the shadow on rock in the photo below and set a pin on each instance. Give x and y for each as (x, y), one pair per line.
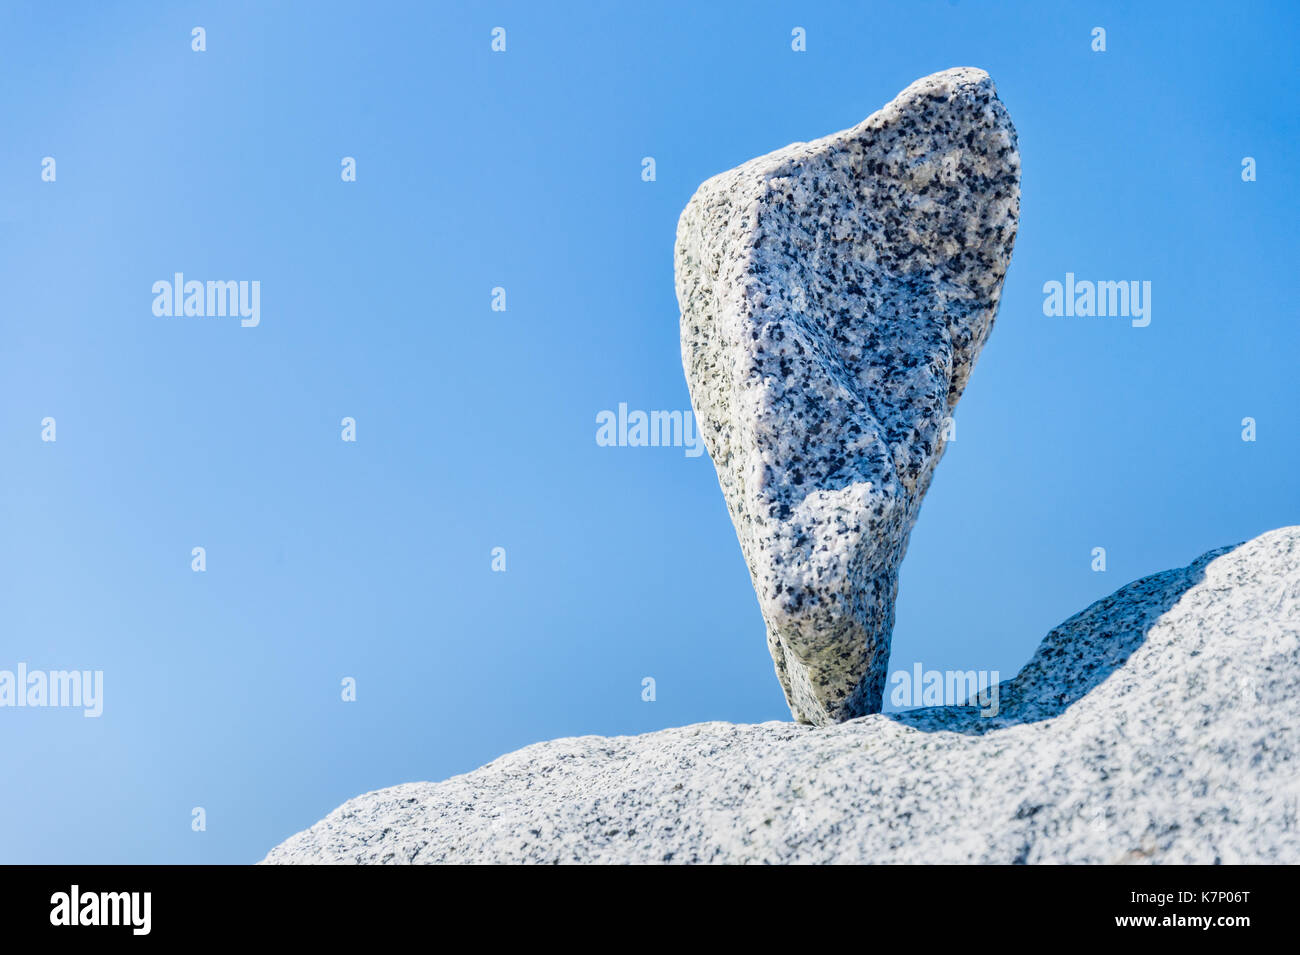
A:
(1073, 658)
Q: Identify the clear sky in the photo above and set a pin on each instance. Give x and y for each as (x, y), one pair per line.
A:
(475, 428)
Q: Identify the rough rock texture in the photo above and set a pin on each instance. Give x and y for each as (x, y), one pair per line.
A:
(1162, 724)
(834, 296)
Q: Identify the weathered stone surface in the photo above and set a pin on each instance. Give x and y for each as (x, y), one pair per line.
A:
(834, 296)
(1162, 724)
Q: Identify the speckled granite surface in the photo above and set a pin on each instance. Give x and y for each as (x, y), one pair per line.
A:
(1162, 724)
(834, 297)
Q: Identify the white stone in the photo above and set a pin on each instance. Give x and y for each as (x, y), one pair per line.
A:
(834, 297)
(1162, 724)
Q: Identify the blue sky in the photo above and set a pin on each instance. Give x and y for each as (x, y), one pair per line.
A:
(476, 428)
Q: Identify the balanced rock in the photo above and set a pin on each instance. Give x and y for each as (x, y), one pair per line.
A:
(834, 297)
(1162, 724)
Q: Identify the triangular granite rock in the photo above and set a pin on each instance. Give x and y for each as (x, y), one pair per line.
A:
(834, 297)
